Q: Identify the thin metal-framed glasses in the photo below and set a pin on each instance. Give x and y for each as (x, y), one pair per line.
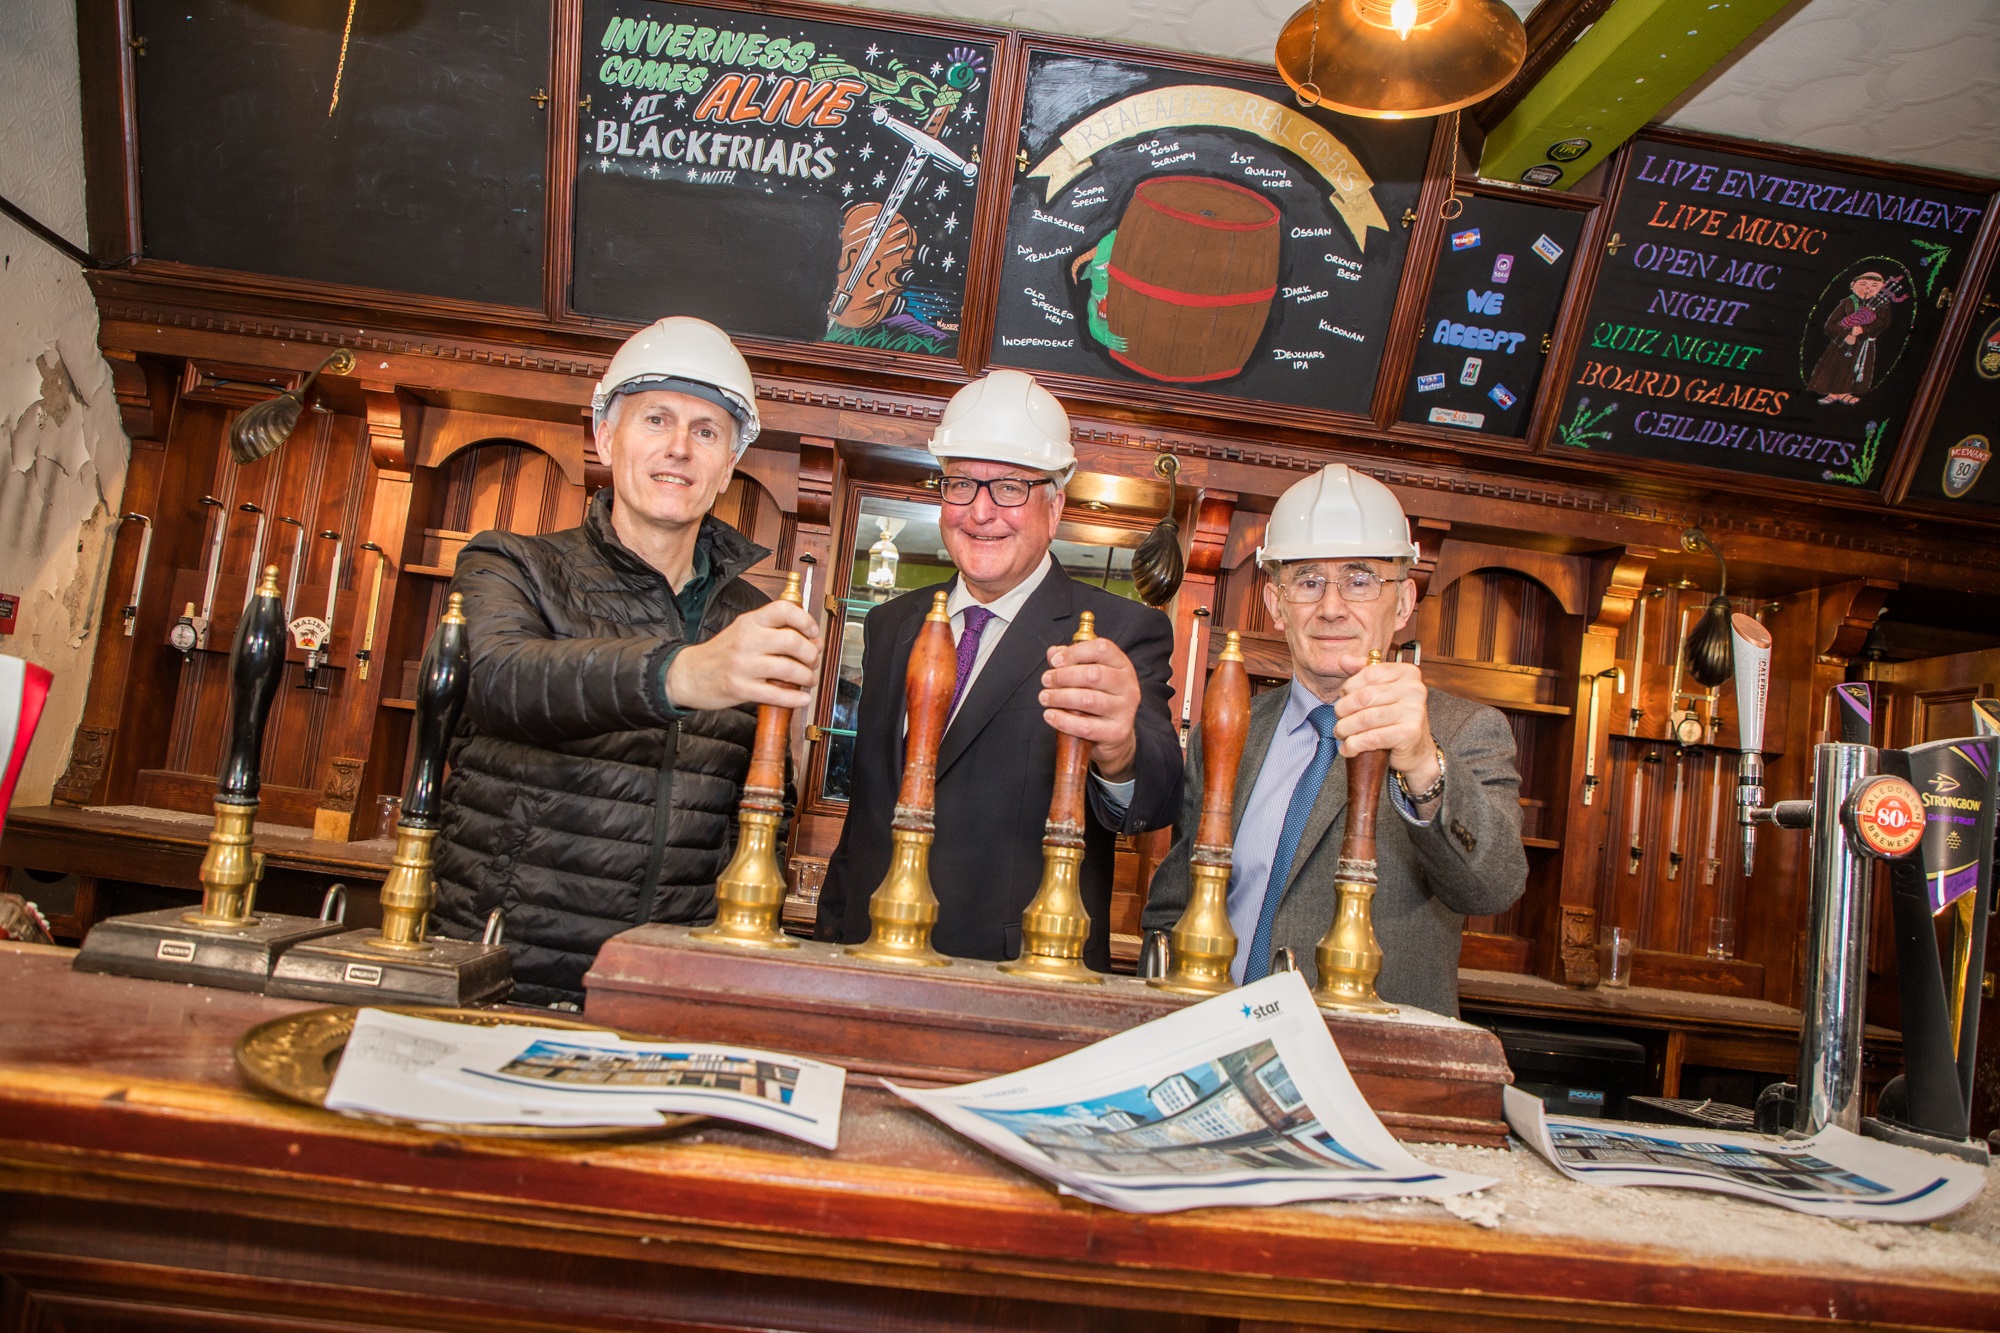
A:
(1353, 585)
(1007, 492)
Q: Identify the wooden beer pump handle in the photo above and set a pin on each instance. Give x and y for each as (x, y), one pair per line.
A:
(1072, 762)
(774, 729)
(1365, 775)
(928, 688)
(1348, 956)
(1225, 726)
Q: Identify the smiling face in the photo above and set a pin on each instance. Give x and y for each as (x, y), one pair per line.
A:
(1321, 633)
(1866, 288)
(995, 548)
(670, 456)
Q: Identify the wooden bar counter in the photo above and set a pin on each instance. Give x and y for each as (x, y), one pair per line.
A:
(144, 1186)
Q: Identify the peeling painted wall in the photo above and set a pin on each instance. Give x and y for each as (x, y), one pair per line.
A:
(62, 449)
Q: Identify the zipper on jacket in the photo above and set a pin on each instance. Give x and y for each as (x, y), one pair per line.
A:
(663, 813)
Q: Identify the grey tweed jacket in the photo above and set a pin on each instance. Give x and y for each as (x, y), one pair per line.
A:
(1467, 862)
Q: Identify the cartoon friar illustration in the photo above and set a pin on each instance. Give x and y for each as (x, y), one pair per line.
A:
(1856, 326)
(1181, 289)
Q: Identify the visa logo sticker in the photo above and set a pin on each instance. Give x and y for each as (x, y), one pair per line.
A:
(1430, 383)
(1465, 240)
(1498, 393)
(1547, 249)
(1446, 416)
(1503, 267)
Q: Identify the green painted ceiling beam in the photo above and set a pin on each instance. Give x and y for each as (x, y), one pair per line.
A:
(1641, 55)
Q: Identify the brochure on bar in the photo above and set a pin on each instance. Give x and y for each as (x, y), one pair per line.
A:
(449, 1073)
(1242, 1099)
(1832, 1174)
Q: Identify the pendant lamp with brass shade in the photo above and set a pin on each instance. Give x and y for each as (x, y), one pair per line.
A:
(1394, 59)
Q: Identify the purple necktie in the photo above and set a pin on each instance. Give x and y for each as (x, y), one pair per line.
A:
(976, 618)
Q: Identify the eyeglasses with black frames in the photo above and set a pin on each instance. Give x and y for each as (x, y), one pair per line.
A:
(1007, 492)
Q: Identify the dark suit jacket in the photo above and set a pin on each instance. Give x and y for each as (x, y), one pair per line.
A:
(996, 773)
(1467, 862)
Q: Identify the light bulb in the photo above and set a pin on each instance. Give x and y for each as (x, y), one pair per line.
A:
(1403, 14)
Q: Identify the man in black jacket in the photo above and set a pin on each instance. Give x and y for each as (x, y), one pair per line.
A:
(615, 668)
(1004, 447)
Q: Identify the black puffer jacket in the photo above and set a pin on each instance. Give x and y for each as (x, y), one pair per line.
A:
(579, 800)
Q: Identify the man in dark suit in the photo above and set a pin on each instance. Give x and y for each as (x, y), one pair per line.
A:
(1004, 448)
(1448, 827)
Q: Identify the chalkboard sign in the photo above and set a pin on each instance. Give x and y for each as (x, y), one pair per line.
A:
(1501, 273)
(426, 175)
(782, 178)
(1767, 317)
(1174, 228)
(1966, 430)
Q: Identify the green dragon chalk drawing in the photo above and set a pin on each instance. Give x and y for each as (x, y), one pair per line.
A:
(1099, 260)
(1933, 261)
(1582, 427)
(1862, 466)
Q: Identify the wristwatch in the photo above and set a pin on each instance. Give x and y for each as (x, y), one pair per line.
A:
(1430, 793)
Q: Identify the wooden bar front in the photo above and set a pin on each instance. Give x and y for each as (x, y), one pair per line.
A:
(144, 1186)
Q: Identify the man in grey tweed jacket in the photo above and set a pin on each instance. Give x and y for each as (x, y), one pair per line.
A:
(1448, 830)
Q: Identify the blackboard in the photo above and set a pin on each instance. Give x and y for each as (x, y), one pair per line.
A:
(1767, 317)
(1503, 265)
(428, 177)
(1966, 431)
(1171, 228)
(744, 167)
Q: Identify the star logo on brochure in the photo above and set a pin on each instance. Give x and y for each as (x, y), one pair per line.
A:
(1246, 1011)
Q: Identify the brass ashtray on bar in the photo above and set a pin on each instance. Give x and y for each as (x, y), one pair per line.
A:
(295, 1057)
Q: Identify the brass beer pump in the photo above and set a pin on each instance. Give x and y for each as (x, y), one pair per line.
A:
(903, 909)
(1348, 956)
(1203, 945)
(225, 942)
(1056, 924)
(750, 895)
(403, 963)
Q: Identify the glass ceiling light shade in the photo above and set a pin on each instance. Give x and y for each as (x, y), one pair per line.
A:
(1393, 59)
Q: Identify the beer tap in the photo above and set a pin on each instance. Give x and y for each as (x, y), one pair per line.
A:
(1201, 613)
(750, 895)
(1590, 780)
(1056, 924)
(298, 559)
(904, 908)
(1202, 945)
(256, 550)
(403, 963)
(1637, 713)
(225, 942)
(191, 631)
(312, 633)
(1637, 849)
(1674, 857)
(131, 611)
(1348, 956)
(366, 651)
(1752, 643)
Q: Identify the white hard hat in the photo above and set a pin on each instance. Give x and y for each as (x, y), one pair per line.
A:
(682, 354)
(1006, 418)
(1337, 514)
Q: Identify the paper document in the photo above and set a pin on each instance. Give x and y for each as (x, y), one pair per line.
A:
(448, 1073)
(1242, 1099)
(1832, 1174)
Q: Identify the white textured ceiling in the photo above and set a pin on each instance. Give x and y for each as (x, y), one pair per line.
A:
(1896, 80)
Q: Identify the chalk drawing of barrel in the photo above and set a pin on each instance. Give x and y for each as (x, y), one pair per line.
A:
(1192, 274)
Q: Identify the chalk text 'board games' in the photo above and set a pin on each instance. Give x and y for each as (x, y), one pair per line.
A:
(1499, 286)
(1188, 230)
(1764, 317)
(781, 177)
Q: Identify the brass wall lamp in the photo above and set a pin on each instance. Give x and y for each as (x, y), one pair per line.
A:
(262, 427)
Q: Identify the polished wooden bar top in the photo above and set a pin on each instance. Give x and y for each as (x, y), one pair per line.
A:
(136, 1169)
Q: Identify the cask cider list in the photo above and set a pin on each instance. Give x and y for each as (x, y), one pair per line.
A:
(1762, 316)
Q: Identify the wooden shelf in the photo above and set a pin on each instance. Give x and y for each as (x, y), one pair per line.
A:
(429, 571)
(1523, 706)
(1542, 844)
(407, 705)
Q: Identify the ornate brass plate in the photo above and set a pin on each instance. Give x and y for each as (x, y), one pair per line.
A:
(294, 1057)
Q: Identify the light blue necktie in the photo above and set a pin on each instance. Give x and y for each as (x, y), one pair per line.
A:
(1321, 719)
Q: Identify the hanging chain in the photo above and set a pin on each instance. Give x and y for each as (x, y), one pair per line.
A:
(341, 68)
